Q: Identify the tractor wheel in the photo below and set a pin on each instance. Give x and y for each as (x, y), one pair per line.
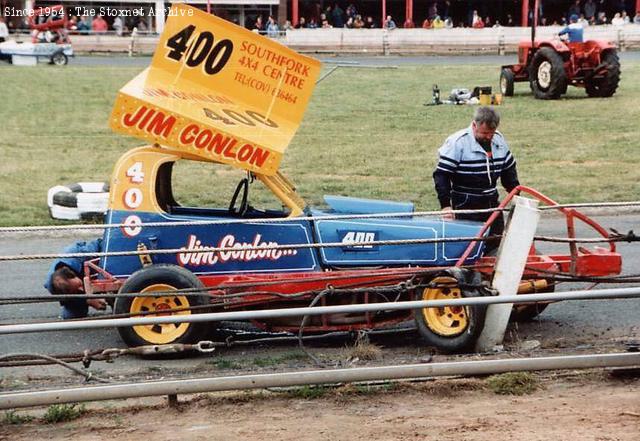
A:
(606, 87)
(548, 79)
(450, 329)
(59, 59)
(506, 82)
(161, 278)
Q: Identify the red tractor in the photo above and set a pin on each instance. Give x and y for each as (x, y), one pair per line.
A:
(551, 66)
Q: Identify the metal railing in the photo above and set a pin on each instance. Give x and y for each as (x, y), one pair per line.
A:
(378, 41)
(602, 294)
(301, 378)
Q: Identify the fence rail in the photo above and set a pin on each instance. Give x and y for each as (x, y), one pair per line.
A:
(300, 378)
(379, 41)
(601, 294)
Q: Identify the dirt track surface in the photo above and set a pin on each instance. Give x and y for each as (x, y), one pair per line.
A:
(582, 408)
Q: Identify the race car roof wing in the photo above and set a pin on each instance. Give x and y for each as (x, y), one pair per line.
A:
(218, 92)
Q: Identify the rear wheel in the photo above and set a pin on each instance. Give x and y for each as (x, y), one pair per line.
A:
(161, 278)
(523, 312)
(450, 328)
(548, 79)
(526, 313)
(507, 79)
(607, 85)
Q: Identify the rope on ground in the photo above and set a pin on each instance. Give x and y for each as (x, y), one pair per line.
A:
(315, 300)
(398, 288)
(110, 354)
(87, 375)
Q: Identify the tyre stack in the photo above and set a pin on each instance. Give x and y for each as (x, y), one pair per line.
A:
(81, 201)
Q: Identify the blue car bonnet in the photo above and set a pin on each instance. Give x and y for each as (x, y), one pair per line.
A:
(343, 204)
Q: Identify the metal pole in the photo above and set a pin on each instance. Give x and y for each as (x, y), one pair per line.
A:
(525, 13)
(384, 11)
(534, 24)
(294, 12)
(287, 379)
(602, 294)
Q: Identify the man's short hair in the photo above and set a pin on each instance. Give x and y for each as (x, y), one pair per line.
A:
(488, 116)
(60, 279)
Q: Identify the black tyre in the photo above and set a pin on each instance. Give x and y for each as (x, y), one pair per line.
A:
(526, 313)
(507, 79)
(547, 77)
(449, 329)
(161, 278)
(59, 59)
(606, 86)
(65, 199)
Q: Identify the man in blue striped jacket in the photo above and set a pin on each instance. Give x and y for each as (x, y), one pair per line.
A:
(470, 163)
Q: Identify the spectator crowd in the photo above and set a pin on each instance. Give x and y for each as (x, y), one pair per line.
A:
(440, 14)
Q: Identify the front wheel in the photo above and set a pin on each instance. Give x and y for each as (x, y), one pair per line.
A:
(507, 79)
(525, 312)
(59, 59)
(165, 278)
(451, 329)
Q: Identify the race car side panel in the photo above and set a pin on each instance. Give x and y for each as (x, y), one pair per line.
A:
(189, 241)
(377, 230)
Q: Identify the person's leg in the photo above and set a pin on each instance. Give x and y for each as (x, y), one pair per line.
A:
(464, 201)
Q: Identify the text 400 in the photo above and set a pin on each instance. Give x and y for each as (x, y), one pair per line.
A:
(204, 49)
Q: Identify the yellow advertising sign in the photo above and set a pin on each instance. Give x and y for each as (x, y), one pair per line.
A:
(219, 92)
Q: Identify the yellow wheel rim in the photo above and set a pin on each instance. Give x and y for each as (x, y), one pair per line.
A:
(447, 321)
(159, 334)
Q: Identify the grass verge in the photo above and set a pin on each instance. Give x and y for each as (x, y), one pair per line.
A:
(58, 413)
(513, 383)
(366, 133)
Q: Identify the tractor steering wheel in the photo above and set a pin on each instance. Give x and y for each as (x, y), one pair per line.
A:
(243, 186)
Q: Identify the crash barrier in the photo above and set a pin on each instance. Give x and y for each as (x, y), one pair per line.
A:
(627, 293)
(601, 294)
(288, 379)
(498, 40)
(595, 205)
(203, 249)
(615, 237)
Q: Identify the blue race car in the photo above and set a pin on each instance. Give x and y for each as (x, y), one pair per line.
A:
(265, 258)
